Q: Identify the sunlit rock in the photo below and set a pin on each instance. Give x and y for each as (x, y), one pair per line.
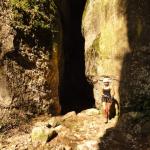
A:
(42, 134)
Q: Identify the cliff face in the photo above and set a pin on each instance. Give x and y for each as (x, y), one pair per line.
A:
(104, 27)
(32, 65)
(117, 45)
(29, 70)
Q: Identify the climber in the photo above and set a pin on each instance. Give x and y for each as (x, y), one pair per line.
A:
(107, 97)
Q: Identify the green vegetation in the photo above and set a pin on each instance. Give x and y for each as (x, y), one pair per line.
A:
(30, 15)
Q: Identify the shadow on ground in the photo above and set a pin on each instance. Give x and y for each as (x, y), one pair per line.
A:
(114, 109)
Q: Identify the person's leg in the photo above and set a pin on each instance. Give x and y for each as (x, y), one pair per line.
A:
(105, 113)
(108, 109)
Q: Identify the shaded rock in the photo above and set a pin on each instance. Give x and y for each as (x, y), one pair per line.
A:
(145, 129)
(7, 32)
(148, 139)
(136, 115)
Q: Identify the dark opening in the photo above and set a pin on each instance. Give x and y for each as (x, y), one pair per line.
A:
(75, 92)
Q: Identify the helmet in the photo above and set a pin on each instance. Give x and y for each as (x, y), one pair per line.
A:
(106, 80)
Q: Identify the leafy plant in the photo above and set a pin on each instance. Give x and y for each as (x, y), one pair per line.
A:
(30, 15)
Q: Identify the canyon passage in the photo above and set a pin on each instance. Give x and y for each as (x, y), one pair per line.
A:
(51, 54)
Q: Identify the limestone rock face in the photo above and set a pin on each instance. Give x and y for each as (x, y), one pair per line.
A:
(117, 45)
(106, 40)
(29, 69)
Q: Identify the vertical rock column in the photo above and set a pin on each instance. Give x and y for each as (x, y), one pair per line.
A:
(105, 30)
(117, 45)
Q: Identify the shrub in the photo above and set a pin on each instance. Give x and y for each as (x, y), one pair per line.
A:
(30, 15)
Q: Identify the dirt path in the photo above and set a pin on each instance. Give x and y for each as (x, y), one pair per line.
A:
(76, 132)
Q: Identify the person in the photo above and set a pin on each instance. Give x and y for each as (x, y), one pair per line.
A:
(108, 94)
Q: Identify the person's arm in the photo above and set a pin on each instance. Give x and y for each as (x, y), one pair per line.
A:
(112, 92)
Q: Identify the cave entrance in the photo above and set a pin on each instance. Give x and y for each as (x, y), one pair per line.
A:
(75, 92)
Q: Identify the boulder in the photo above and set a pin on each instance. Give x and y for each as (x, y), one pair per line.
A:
(42, 134)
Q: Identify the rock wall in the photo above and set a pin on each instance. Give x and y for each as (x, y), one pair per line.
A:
(29, 70)
(117, 45)
(106, 42)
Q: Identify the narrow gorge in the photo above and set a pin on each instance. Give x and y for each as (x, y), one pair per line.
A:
(54, 55)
